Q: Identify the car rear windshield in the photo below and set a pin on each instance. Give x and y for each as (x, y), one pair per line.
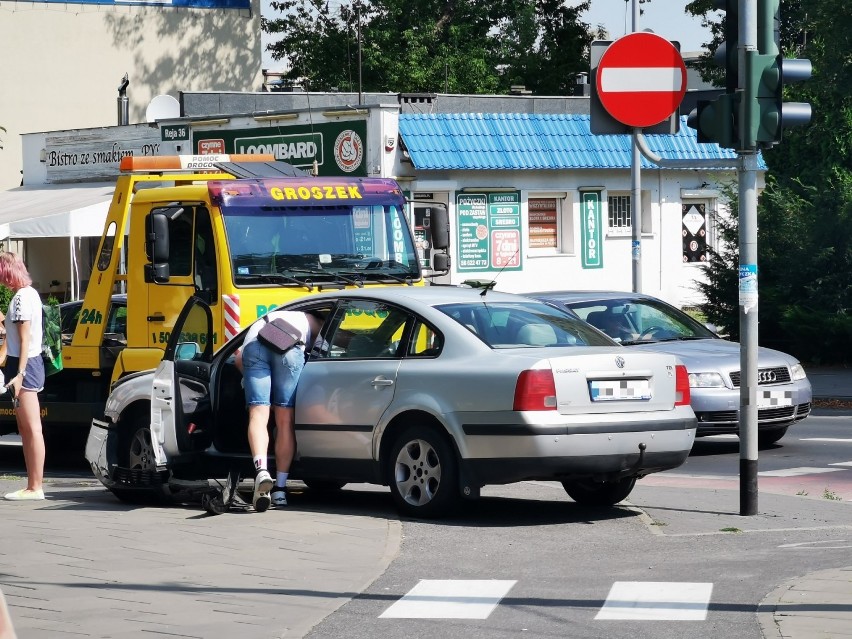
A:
(523, 325)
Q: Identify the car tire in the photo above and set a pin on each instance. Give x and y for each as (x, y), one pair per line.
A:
(422, 473)
(324, 484)
(768, 437)
(599, 494)
(136, 452)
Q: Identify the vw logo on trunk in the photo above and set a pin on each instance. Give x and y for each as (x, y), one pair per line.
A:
(619, 361)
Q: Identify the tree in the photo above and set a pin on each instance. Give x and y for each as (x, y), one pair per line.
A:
(447, 46)
(805, 213)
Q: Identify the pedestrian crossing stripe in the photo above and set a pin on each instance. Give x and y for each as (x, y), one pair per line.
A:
(796, 472)
(450, 599)
(656, 601)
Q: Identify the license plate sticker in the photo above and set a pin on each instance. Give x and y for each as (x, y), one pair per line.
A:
(774, 399)
(607, 390)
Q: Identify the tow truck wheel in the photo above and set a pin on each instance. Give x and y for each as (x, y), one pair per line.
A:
(136, 454)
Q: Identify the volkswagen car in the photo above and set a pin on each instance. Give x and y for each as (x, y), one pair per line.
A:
(645, 323)
(433, 391)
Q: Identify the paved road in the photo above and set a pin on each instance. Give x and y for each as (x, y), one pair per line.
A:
(83, 564)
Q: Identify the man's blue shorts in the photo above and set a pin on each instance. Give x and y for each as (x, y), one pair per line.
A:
(269, 377)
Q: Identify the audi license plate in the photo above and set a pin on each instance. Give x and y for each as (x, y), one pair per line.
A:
(774, 399)
(607, 390)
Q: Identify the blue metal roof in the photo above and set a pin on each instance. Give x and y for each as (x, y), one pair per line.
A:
(470, 141)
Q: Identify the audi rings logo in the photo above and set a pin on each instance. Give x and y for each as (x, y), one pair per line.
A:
(619, 361)
(766, 377)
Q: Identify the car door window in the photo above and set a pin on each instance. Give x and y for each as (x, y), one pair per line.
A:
(365, 329)
(425, 341)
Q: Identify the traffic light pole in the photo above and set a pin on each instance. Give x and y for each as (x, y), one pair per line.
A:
(748, 295)
(748, 302)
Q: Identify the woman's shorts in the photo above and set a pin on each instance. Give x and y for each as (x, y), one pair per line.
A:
(269, 377)
(33, 380)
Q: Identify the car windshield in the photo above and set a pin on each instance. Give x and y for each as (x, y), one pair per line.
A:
(319, 244)
(640, 321)
(523, 325)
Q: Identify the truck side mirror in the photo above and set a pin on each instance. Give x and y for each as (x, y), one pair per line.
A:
(440, 263)
(440, 225)
(157, 248)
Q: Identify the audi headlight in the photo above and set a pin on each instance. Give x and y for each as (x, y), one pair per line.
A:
(706, 380)
(797, 372)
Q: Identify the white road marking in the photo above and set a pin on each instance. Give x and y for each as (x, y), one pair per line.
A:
(450, 599)
(729, 436)
(817, 545)
(702, 477)
(657, 601)
(842, 440)
(849, 463)
(796, 472)
(642, 79)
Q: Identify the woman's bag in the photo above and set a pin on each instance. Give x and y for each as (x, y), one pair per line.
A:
(279, 335)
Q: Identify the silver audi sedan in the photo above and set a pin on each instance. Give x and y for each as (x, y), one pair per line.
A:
(433, 391)
(646, 323)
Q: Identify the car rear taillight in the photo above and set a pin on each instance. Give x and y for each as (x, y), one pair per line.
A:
(535, 390)
(681, 386)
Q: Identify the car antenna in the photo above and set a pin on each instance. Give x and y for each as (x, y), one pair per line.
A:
(487, 285)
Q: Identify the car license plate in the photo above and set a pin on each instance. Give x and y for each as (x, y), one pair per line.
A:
(774, 399)
(607, 390)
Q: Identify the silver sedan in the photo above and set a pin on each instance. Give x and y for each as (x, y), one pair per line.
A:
(649, 324)
(434, 391)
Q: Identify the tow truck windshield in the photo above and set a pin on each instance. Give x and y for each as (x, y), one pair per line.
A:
(345, 244)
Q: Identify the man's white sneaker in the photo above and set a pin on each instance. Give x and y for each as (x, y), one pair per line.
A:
(262, 484)
(279, 497)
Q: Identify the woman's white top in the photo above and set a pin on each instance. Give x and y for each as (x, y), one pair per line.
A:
(24, 306)
(296, 319)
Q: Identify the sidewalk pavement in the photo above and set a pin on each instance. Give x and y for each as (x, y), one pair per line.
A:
(84, 564)
(818, 604)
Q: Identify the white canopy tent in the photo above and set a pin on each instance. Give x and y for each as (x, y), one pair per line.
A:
(56, 210)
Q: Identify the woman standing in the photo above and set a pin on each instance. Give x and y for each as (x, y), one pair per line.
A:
(23, 369)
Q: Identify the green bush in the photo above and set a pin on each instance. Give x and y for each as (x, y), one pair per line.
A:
(5, 297)
(816, 337)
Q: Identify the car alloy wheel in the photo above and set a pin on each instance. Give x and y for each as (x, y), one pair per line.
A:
(140, 452)
(422, 473)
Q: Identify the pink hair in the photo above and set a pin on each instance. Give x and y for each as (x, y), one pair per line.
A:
(13, 272)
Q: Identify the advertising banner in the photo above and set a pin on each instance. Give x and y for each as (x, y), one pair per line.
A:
(592, 249)
(338, 147)
(489, 231)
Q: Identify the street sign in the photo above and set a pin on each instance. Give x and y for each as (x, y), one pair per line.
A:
(641, 79)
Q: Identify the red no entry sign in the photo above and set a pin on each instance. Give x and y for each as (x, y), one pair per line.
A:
(641, 79)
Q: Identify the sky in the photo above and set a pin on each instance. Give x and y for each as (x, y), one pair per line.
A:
(664, 17)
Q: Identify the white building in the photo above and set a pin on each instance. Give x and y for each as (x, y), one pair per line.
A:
(534, 199)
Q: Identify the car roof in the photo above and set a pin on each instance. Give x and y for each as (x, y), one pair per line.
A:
(589, 296)
(431, 295)
(118, 298)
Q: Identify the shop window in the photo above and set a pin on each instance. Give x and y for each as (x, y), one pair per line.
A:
(543, 219)
(619, 218)
(620, 215)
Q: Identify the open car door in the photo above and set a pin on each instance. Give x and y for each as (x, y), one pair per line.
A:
(181, 390)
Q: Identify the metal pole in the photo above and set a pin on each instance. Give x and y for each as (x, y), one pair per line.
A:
(748, 295)
(636, 192)
(358, 10)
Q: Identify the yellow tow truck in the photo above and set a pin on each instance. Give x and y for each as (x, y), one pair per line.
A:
(244, 233)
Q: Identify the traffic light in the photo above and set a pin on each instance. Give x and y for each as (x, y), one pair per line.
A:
(767, 70)
(717, 120)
